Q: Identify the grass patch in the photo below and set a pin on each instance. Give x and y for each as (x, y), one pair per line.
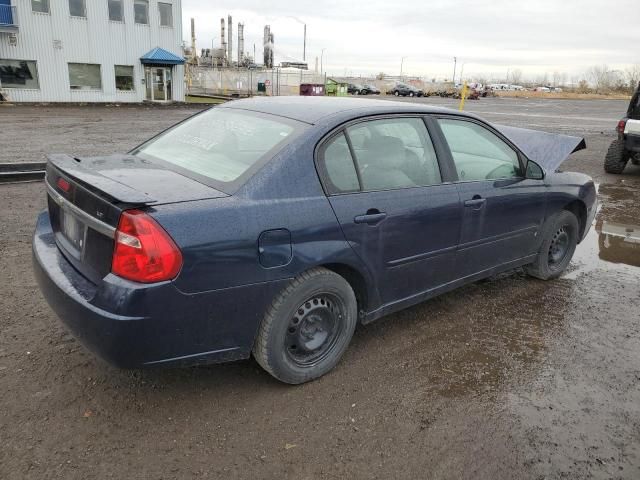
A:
(193, 99)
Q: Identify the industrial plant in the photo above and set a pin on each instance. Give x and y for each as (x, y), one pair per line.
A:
(222, 56)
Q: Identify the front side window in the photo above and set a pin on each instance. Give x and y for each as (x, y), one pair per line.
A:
(220, 144)
(41, 6)
(18, 74)
(77, 8)
(166, 14)
(124, 77)
(115, 10)
(141, 11)
(84, 76)
(478, 153)
(394, 153)
(339, 169)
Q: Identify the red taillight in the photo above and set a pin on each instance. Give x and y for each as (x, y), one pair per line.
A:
(63, 184)
(144, 251)
(621, 125)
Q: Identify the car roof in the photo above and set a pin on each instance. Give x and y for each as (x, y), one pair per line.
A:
(313, 109)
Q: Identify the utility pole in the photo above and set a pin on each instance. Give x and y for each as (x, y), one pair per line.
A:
(401, 65)
(304, 45)
(455, 64)
(321, 58)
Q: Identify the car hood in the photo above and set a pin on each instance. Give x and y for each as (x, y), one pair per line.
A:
(549, 150)
(133, 180)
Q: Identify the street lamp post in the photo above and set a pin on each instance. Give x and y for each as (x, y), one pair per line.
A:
(401, 65)
(455, 62)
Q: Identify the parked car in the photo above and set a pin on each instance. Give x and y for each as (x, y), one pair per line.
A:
(627, 146)
(354, 89)
(368, 89)
(404, 90)
(272, 226)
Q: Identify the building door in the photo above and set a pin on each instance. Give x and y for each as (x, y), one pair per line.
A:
(158, 83)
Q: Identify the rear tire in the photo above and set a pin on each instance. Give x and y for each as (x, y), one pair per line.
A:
(559, 239)
(616, 158)
(307, 328)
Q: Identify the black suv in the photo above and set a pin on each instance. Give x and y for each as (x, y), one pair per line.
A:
(354, 89)
(627, 146)
(402, 89)
(369, 90)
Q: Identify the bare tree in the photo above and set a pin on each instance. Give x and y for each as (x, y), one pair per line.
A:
(516, 76)
(601, 78)
(632, 74)
(556, 78)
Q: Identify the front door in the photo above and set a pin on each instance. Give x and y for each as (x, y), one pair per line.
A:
(394, 210)
(158, 83)
(503, 211)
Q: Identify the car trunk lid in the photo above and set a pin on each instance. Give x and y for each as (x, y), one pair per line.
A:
(87, 195)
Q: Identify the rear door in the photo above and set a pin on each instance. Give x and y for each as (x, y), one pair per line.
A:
(503, 211)
(387, 190)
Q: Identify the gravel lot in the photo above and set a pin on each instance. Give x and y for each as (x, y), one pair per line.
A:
(508, 378)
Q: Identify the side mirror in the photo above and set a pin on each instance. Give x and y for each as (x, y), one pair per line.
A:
(534, 171)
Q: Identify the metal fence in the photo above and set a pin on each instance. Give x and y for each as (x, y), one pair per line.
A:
(227, 81)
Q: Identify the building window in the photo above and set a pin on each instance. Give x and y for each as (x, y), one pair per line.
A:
(84, 76)
(77, 8)
(115, 10)
(18, 74)
(41, 6)
(124, 77)
(141, 11)
(166, 14)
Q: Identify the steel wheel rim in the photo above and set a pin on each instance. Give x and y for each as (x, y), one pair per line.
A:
(559, 247)
(314, 329)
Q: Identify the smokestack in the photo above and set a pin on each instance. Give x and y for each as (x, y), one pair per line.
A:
(230, 45)
(194, 54)
(240, 43)
(270, 50)
(223, 41)
(265, 44)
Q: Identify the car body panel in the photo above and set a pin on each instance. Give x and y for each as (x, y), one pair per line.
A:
(549, 150)
(413, 248)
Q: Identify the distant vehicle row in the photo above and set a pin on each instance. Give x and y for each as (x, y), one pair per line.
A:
(366, 89)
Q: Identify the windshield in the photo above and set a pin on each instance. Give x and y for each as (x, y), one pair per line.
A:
(220, 144)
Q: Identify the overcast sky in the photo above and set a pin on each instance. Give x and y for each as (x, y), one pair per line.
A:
(489, 37)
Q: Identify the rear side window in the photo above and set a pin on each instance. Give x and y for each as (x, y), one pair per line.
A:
(220, 144)
(478, 153)
(340, 172)
(394, 153)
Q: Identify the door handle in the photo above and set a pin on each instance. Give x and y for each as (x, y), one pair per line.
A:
(475, 203)
(372, 217)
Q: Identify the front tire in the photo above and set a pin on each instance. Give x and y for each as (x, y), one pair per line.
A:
(559, 239)
(616, 158)
(307, 328)
(396, 93)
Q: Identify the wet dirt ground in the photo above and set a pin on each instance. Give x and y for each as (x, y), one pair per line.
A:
(508, 378)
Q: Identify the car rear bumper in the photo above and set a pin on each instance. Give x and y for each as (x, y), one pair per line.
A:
(134, 325)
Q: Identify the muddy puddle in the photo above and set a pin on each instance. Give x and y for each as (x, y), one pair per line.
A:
(613, 243)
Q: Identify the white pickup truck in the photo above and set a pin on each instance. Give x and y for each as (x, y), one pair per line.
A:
(627, 146)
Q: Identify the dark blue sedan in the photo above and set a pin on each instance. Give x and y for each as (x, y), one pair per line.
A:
(273, 226)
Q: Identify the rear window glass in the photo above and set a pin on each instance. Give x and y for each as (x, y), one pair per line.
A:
(220, 144)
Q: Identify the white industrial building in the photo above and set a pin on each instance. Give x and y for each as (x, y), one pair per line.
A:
(91, 50)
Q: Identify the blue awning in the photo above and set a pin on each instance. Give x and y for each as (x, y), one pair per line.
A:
(159, 56)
